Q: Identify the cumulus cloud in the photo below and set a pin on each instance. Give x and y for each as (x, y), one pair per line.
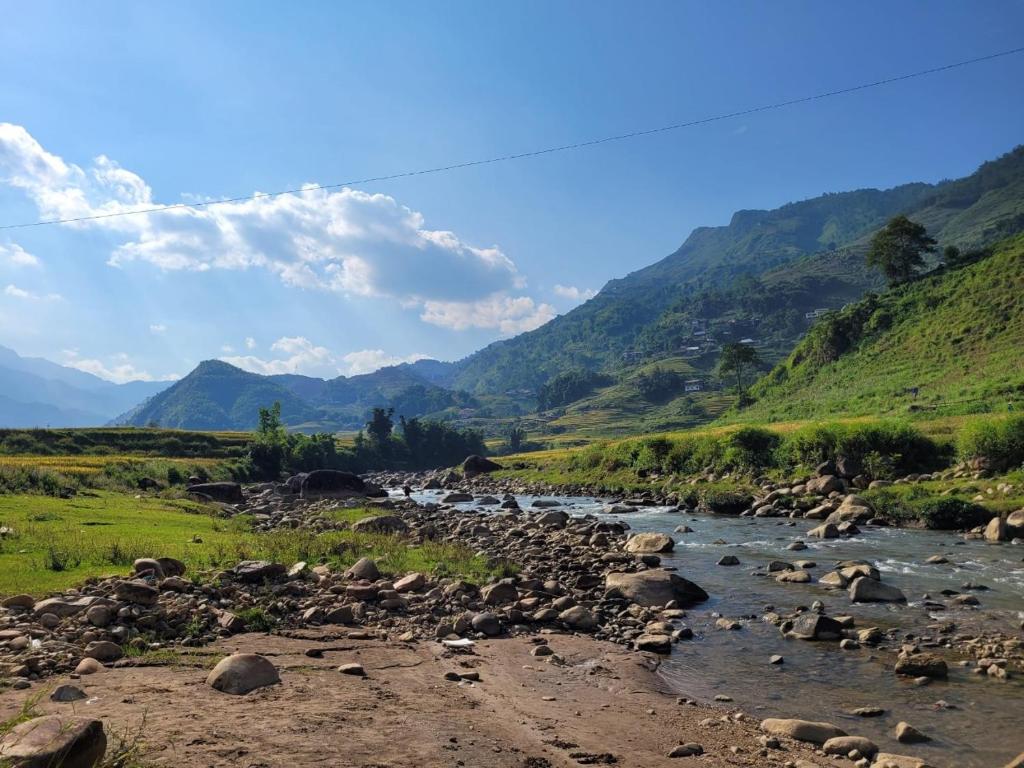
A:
(297, 354)
(510, 315)
(16, 256)
(158, 328)
(370, 360)
(250, 342)
(23, 293)
(118, 369)
(346, 240)
(572, 293)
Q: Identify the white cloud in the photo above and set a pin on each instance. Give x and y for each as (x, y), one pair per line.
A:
(227, 349)
(510, 315)
(157, 328)
(297, 355)
(119, 370)
(16, 256)
(370, 360)
(22, 293)
(346, 240)
(250, 342)
(573, 293)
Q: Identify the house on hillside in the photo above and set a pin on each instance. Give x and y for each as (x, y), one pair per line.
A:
(693, 385)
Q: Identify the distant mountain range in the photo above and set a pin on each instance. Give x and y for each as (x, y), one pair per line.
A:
(37, 393)
(760, 277)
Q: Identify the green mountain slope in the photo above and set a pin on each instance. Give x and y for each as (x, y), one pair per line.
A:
(785, 262)
(956, 335)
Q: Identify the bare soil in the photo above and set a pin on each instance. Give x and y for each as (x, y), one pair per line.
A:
(593, 703)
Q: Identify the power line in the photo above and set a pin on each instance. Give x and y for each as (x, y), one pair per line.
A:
(533, 153)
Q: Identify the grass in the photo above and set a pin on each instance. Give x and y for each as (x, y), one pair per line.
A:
(58, 543)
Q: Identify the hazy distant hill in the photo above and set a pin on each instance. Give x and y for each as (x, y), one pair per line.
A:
(36, 392)
(217, 395)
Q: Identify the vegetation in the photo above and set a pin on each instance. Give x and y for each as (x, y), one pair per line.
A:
(737, 359)
(947, 341)
(57, 543)
(898, 249)
(568, 387)
(659, 384)
(999, 441)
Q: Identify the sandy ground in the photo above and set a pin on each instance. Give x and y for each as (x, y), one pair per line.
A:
(599, 705)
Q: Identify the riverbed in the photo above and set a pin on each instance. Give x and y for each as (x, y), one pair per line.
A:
(974, 720)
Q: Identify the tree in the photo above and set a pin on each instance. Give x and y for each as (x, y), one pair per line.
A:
(898, 249)
(516, 437)
(379, 426)
(737, 358)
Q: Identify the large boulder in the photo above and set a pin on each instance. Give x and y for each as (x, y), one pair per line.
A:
(640, 543)
(825, 485)
(997, 530)
(868, 590)
(843, 745)
(228, 493)
(63, 606)
(1015, 524)
(802, 730)
(922, 665)
(242, 672)
(478, 465)
(331, 484)
(137, 592)
(889, 760)
(814, 626)
(654, 588)
(257, 571)
(54, 740)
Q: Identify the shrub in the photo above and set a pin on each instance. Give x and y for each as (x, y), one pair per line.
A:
(951, 514)
(890, 446)
(257, 620)
(1000, 440)
(751, 448)
(724, 502)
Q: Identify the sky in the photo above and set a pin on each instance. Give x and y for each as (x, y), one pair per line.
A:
(112, 106)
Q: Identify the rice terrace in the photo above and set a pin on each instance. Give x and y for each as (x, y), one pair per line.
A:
(450, 464)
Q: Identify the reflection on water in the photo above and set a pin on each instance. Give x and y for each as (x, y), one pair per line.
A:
(974, 721)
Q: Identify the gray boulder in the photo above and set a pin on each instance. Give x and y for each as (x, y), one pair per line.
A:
(242, 672)
(228, 493)
(54, 740)
(653, 588)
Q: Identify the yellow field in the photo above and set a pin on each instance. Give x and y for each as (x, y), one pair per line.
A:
(85, 466)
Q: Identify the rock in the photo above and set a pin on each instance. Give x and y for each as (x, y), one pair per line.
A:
(363, 568)
(478, 465)
(834, 580)
(457, 498)
(996, 530)
(135, 591)
(555, 518)
(649, 542)
(1018, 761)
(241, 673)
(412, 582)
(148, 566)
(231, 622)
(687, 750)
(257, 571)
(867, 590)
(343, 614)
(487, 623)
(889, 760)
(654, 588)
(227, 493)
(578, 617)
(331, 484)
(814, 626)
(653, 643)
(54, 740)
(500, 593)
(103, 651)
(66, 693)
(391, 524)
(729, 560)
(542, 650)
(794, 577)
(908, 734)
(802, 730)
(868, 712)
(776, 659)
(352, 669)
(18, 601)
(63, 607)
(825, 485)
(843, 745)
(99, 615)
(88, 666)
(922, 665)
(824, 531)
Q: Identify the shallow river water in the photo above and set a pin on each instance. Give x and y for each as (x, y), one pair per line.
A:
(975, 721)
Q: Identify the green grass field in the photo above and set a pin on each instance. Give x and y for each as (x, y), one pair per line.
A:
(57, 543)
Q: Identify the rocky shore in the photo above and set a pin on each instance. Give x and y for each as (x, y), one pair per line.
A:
(584, 578)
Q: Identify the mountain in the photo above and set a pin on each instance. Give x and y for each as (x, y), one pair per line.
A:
(788, 261)
(37, 392)
(217, 395)
(950, 340)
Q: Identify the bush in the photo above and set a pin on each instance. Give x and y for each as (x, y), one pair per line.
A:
(751, 448)
(725, 502)
(1000, 440)
(952, 514)
(893, 445)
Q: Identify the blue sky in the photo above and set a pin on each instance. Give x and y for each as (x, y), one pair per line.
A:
(109, 106)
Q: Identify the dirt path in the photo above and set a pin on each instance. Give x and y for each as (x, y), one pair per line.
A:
(591, 703)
